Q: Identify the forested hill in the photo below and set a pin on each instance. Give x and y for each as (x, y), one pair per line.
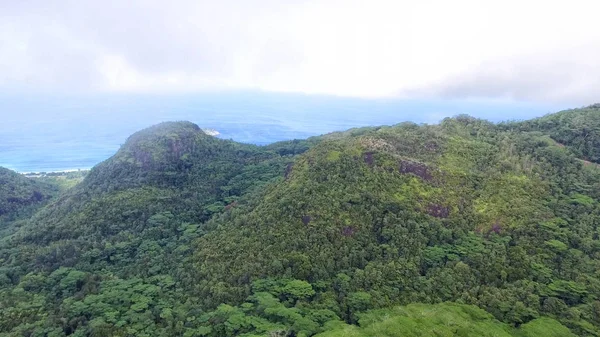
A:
(171, 170)
(578, 129)
(20, 197)
(464, 228)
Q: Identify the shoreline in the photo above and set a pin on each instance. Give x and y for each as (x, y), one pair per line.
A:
(39, 173)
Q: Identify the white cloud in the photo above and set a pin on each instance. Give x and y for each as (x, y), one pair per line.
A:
(516, 49)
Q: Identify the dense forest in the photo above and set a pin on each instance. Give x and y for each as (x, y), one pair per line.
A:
(463, 228)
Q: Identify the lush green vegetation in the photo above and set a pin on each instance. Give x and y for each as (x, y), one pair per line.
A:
(184, 234)
(63, 180)
(446, 319)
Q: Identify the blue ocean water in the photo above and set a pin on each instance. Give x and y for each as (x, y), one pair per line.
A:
(59, 132)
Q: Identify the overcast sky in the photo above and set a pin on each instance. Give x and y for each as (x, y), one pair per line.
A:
(525, 50)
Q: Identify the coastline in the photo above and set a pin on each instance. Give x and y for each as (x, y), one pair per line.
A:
(211, 132)
(52, 173)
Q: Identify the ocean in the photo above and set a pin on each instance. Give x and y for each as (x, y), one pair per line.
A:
(44, 133)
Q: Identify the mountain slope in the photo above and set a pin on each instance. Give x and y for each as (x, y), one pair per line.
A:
(463, 211)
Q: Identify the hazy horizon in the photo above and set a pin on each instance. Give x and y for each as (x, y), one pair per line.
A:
(55, 133)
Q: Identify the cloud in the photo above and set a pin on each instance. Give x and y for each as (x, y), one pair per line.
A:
(510, 49)
(562, 77)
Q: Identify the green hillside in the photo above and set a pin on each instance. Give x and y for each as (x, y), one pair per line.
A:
(20, 197)
(18, 192)
(184, 234)
(461, 211)
(171, 169)
(577, 129)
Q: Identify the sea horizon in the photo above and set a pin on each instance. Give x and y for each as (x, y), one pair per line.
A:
(58, 133)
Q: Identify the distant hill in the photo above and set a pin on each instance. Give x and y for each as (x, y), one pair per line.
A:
(184, 234)
(18, 192)
(577, 129)
(20, 197)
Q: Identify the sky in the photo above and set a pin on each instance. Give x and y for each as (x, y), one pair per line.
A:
(509, 50)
